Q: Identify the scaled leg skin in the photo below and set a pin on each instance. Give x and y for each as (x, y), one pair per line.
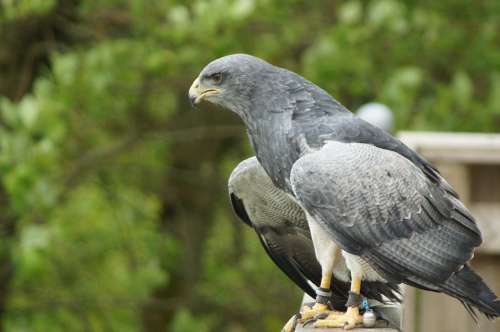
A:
(351, 318)
(319, 310)
(323, 294)
(327, 253)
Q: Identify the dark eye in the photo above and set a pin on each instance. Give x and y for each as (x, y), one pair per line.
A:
(216, 78)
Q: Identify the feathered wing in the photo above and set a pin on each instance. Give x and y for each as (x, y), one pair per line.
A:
(345, 127)
(276, 243)
(282, 229)
(379, 205)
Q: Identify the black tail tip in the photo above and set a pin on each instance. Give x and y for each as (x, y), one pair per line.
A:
(470, 289)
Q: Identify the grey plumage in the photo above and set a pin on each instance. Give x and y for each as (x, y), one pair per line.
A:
(383, 208)
(368, 192)
(281, 226)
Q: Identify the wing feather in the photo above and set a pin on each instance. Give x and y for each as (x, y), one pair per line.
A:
(282, 229)
(377, 204)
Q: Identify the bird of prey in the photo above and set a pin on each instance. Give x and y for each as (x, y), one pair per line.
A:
(281, 225)
(364, 193)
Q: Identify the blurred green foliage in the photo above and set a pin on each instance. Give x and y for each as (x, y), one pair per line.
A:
(114, 208)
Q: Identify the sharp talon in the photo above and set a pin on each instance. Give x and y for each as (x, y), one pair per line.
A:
(347, 320)
(309, 321)
(309, 313)
(321, 316)
(349, 326)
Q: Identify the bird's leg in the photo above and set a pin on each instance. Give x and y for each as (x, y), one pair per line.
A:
(323, 294)
(320, 307)
(351, 318)
(327, 253)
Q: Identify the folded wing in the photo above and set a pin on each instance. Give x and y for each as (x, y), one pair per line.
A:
(281, 226)
(377, 204)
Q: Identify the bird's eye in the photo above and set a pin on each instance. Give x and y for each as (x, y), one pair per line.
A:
(216, 78)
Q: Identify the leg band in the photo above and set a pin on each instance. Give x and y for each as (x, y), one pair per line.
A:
(354, 300)
(323, 295)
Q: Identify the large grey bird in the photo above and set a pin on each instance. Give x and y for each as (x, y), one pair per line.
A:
(282, 229)
(365, 194)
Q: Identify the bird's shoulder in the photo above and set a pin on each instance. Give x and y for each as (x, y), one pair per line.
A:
(348, 128)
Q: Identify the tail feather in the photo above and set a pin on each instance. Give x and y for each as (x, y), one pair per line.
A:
(381, 291)
(472, 291)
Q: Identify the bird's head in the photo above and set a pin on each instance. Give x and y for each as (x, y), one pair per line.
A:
(230, 82)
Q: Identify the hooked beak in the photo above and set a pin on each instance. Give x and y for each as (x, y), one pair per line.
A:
(197, 93)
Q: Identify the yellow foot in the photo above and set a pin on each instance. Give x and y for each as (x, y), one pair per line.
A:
(310, 312)
(348, 321)
(318, 309)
